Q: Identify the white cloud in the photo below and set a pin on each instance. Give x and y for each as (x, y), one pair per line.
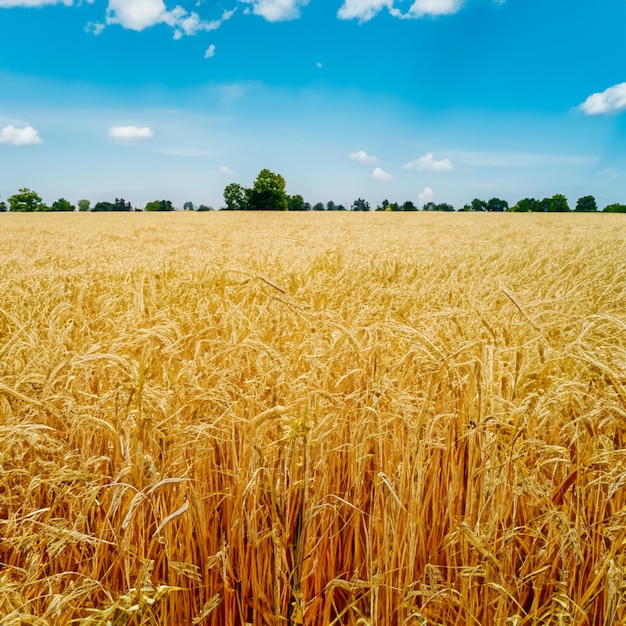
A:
(136, 14)
(9, 4)
(128, 133)
(19, 137)
(380, 174)
(360, 156)
(224, 169)
(318, 64)
(210, 52)
(141, 14)
(426, 196)
(612, 100)
(363, 10)
(421, 8)
(277, 10)
(427, 163)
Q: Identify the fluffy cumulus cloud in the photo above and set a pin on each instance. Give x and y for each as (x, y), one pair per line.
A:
(380, 174)
(426, 196)
(141, 14)
(26, 136)
(129, 133)
(612, 100)
(422, 8)
(9, 4)
(363, 10)
(277, 10)
(360, 156)
(428, 163)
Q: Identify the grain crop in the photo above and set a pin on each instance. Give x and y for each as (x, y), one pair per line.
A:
(312, 419)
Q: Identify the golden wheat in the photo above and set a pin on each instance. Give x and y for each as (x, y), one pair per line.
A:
(238, 418)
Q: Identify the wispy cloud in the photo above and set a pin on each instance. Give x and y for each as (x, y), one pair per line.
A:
(26, 136)
(224, 169)
(277, 10)
(611, 100)
(363, 10)
(210, 52)
(520, 159)
(360, 156)
(141, 14)
(9, 4)
(428, 163)
(128, 133)
(380, 174)
(426, 196)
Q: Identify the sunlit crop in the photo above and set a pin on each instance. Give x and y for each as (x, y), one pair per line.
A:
(287, 419)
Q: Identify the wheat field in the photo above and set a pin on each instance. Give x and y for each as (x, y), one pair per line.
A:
(312, 419)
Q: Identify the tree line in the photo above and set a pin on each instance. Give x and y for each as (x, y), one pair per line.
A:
(268, 194)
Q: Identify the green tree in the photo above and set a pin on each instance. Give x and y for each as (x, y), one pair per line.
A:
(159, 205)
(526, 205)
(586, 204)
(615, 208)
(3, 206)
(331, 206)
(297, 203)
(383, 206)
(409, 206)
(235, 197)
(26, 201)
(558, 204)
(188, 206)
(84, 205)
(318, 206)
(360, 205)
(497, 205)
(204, 207)
(268, 193)
(62, 205)
(478, 205)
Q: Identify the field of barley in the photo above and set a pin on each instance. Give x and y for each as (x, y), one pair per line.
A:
(376, 419)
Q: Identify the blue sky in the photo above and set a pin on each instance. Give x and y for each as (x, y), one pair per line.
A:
(401, 99)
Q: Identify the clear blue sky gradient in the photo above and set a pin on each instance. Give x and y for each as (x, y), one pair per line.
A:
(469, 99)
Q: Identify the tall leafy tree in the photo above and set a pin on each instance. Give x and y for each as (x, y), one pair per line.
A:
(527, 205)
(62, 205)
(586, 204)
(495, 204)
(360, 205)
(84, 205)
(318, 206)
(27, 201)
(268, 193)
(188, 206)
(478, 205)
(235, 197)
(409, 206)
(297, 203)
(558, 204)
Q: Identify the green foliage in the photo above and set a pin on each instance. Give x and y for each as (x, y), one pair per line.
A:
(527, 205)
(188, 206)
(62, 205)
(497, 205)
(615, 208)
(586, 204)
(409, 206)
(443, 206)
(360, 205)
(318, 206)
(26, 201)
(297, 203)
(331, 206)
(84, 205)
(268, 193)
(478, 205)
(159, 205)
(235, 197)
(204, 207)
(119, 205)
(3, 207)
(556, 204)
